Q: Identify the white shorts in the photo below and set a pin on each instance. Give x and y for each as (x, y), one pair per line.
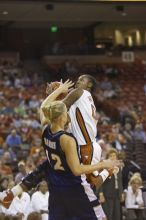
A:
(96, 157)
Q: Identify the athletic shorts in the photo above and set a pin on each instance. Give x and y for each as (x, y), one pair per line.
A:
(78, 203)
(91, 154)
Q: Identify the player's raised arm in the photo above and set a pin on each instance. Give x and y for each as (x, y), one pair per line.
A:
(72, 97)
(63, 88)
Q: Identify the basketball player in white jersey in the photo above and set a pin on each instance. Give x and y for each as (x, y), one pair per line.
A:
(82, 112)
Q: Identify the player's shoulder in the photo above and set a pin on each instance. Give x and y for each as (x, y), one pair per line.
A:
(66, 137)
(77, 90)
(67, 140)
(45, 128)
(76, 93)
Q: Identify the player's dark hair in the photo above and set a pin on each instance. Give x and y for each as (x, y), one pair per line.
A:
(93, 82)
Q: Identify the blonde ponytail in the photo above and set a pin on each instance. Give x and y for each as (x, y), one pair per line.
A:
(54, 110)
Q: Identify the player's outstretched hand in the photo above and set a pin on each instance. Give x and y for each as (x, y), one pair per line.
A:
(111, 164)
(6, 198)
(66, 86)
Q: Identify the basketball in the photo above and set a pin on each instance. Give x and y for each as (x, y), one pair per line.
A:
(54, 86)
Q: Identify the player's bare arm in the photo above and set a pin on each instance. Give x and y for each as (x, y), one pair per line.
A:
(69, 147)
(72, 97)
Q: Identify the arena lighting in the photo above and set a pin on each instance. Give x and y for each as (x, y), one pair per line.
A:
(5, 12)
(99, 46)
(54, 29)
(124, 13)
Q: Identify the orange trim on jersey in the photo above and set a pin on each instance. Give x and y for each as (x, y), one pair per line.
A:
(82, 126)
(86, 152)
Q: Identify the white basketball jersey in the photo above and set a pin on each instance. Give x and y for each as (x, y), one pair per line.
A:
(83, 119)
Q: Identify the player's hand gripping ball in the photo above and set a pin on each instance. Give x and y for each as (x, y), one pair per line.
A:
(52, 87)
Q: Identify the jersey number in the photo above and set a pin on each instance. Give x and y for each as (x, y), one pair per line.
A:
(58, 164)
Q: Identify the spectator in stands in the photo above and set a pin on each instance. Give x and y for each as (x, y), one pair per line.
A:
(104, 119)
(136, 112)
(22, 172)
(71, 67)
(144, 89)
(106, 84)
(39, 200)
(5, 169)
(100, 95)
(111, 71)
(139, 133)
(1, 144)
(137, 174)
(29, 165)
(7, 158)
(108, 89)
(111, 192)
(41, 156)
(7, 109)
(6, 81)
(116, 138)
(26, 81)
(37, 79)
(35, 123)
(128, 132)
(19, 110)
(25, 128)
(10, 184)
(13, 139)
(17, 120)
(20, 205)
(104, 146)
(124, 111)
(17, 82)
(134, 201)
(4, 183)
(34, 102)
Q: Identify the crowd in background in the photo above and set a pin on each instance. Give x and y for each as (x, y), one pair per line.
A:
(20, 140)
